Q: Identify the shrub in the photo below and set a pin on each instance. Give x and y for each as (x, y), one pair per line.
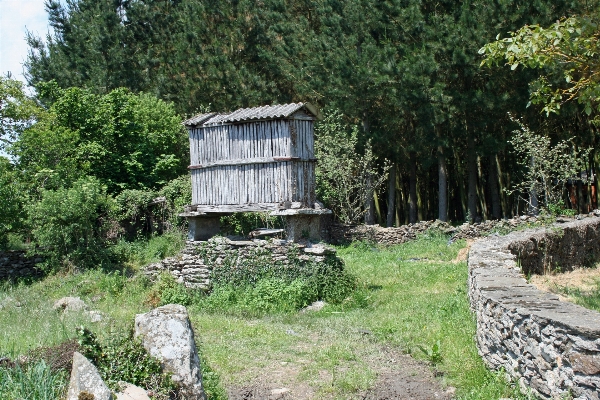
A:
(168, 291)
(12, 200)
(345, 178)
(177, 194)
(125, 359)
(73, 225)
(268, 295)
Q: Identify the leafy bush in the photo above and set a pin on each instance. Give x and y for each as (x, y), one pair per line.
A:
(267, 296)
(35, 381)
(125, 359)
(177, 193)
(547, 167)
(345, 178)
(72, 225)
(144, 251)
(168, 291)
(12, 200)
(142, 212)
(126, 140)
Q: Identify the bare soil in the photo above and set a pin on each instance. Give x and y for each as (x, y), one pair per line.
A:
(399, 376)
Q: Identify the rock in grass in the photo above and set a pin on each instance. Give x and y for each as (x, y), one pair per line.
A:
(70, 304)
(167, 334)
(86, 382)
(132, 392)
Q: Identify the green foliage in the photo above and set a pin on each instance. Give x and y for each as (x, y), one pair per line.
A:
(566, 51)
(34, 381)
(434, 354)
(243, 223)
(211, 382)
(73, 225)
(12, 198)
(548, 167)
(169, 291)
(177, 193)
(126, 140)
(17, 111)
(267, 296)
(144, 251)
(328, 278)
(345, 178)
(125, 359)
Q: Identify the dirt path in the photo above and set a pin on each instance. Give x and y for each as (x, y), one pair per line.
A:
(398, 376)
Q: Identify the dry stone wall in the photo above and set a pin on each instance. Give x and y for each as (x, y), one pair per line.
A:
(549, 346)
(194, 266)
(389, 236)
(16, 264)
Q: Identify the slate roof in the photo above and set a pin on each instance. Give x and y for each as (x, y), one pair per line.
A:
(245, 114)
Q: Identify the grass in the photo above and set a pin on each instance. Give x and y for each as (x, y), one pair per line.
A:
(36, 382)
(585, 298)
(411, 299)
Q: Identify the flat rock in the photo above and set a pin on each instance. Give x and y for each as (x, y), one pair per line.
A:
(70, 304)
(85, 379)
(316, 306)
(167, 334)
(132, 392)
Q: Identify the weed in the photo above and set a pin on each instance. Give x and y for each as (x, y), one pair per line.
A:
(433, 355)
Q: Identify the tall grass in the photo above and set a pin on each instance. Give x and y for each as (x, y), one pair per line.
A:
(33, 382)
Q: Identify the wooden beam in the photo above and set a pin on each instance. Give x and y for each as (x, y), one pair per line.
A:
(247, 161)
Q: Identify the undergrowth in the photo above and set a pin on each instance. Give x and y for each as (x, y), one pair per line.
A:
(33, 381)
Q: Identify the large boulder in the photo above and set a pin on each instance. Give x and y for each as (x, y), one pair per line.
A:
(86, 382)
(167, 334)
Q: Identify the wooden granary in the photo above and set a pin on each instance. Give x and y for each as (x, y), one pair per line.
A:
(252, 159)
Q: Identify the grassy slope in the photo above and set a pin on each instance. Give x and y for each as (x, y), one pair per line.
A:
(334, 352)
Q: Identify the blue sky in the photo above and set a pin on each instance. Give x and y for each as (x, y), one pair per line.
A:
(16, 17)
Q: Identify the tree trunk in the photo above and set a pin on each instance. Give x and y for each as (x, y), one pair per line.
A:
(391, 196)
(472, 171)
(494, 192)
(442, 186)
(370, 203)
(533, 195)
(412, 201)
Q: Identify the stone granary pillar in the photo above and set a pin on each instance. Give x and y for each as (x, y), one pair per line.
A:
(202, 226)
(303, 223)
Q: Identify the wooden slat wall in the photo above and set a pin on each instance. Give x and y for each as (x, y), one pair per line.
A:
(253, 183)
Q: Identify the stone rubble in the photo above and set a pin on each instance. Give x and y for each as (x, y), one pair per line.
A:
(549, 346)
(16, 264)
(389, 236)
(194, 265)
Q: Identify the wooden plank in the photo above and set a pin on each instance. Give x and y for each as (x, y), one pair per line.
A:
(231, 208)
(276, 133)
(253, 134)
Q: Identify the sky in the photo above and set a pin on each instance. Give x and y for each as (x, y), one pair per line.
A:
(16, 18)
